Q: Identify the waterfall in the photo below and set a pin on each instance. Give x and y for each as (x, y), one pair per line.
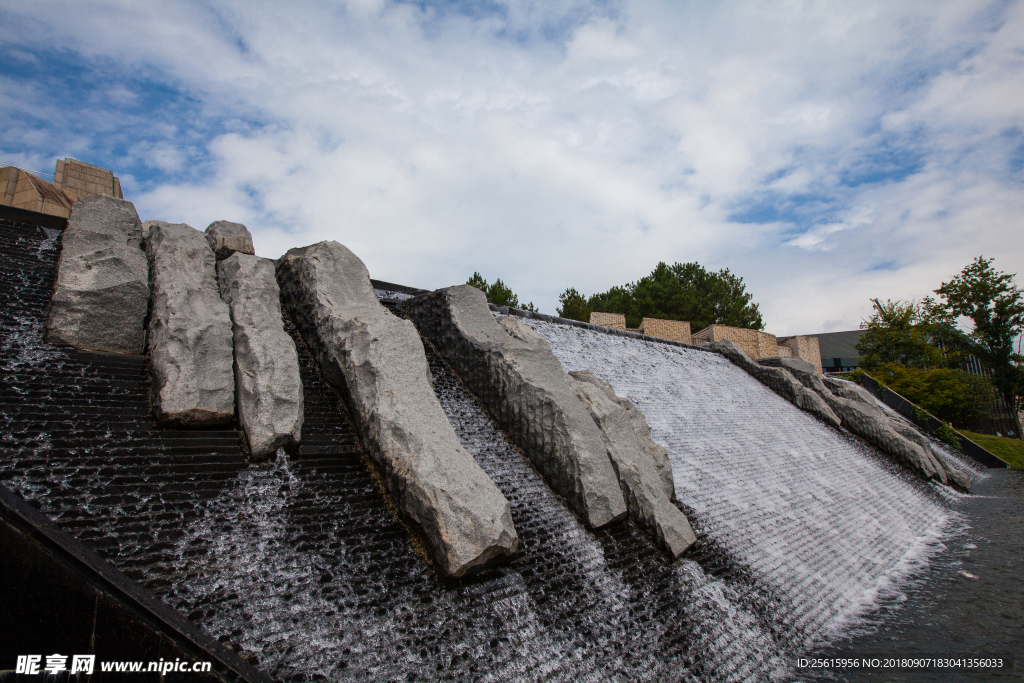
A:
(824, 520)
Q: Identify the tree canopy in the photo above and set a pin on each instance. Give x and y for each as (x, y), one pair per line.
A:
(682, 291)
(996, 307)
(922, 337)
(498, 293)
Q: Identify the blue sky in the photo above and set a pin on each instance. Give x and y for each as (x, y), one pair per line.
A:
(828, 152)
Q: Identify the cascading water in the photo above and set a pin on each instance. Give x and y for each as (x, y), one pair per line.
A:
(823, 519)
(301, 566)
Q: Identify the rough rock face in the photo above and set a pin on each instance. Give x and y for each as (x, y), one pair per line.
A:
(513, 371)
(378, 361)
(226, 238)
(267, 380)
(779, 381)
(861, 415)
(636, 459)
(190, 341)
(849, 390)
(148, 226)
(102, 289)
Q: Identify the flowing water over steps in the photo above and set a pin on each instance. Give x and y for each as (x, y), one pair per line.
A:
(300, 564)
(822, 518)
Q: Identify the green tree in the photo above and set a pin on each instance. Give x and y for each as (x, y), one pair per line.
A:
(682, 291)
(498, 293)
(898, 333)
(996, 307)
(573, 306)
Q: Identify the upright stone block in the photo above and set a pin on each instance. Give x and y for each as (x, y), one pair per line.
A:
(643, 468)
(512, 369)
(190, 339)
(226, 238)
(102, 288)
(267, 381)
(377, 359)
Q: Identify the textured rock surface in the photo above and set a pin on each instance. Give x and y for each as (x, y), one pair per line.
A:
(861, 415)
(226, 238)
(636, 459)
(190, 340)
(148, 226)
(511, 368)
(102, 291)
(849, 390)
(378, 360)
(779, 381)
(267, 382)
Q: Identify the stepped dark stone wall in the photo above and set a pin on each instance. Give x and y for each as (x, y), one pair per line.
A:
(300, 566)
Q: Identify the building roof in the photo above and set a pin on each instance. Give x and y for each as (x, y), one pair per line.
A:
(839, 344)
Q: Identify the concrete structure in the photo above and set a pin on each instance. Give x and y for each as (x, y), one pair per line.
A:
(22, 190)
(755, 343)
(801, 346)
(72, 180)
(616, 321)
(82, 180)
(676, 330)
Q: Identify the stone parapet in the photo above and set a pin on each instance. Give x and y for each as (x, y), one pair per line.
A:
(676, 330)
(513, 371)
(801, 346)
(377, 360)
(615, 321)
(755, 343)
(84, 179)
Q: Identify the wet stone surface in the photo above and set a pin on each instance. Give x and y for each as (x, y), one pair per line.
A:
(300, 565)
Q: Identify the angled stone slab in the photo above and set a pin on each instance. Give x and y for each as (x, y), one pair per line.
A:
(226, 238)
(513, 371)
(267, 382)
(190, 339)
(378, 361)
(638, 462)
(861, 415)
(101, 293)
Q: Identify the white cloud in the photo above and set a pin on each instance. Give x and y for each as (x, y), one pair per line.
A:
(573, 144)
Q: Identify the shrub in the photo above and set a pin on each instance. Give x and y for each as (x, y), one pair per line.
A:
(950, 395)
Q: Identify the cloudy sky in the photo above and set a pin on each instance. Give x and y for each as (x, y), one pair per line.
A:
(827, 152)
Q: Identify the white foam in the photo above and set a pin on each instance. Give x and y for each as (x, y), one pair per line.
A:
(827, 521)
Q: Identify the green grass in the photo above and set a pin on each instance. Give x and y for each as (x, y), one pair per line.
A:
(1010, 450)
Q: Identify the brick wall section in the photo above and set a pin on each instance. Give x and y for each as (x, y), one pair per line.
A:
(616, 321)
(83, 179)
(757, 344)
(802, 347)
(767, 346)
(676, 330)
